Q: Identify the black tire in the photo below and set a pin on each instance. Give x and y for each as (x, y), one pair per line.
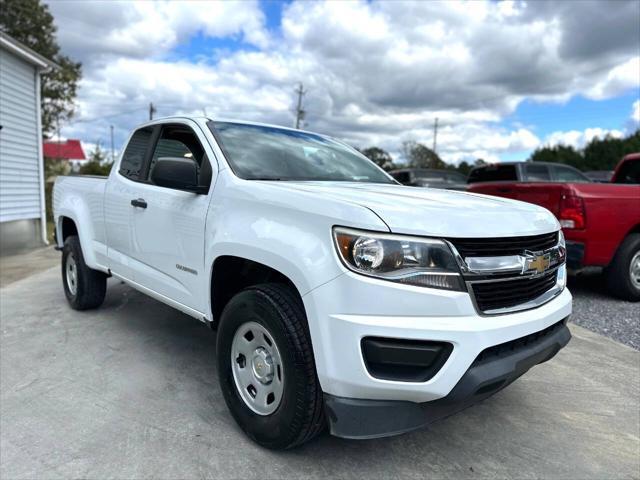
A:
(300, 415)
(90, 286)
(617, 274)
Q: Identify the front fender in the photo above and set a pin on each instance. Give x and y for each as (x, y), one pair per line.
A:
(289, 231)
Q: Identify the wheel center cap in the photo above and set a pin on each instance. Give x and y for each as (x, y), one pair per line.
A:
(262, 365)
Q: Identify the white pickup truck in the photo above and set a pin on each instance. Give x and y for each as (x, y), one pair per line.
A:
(340, 298)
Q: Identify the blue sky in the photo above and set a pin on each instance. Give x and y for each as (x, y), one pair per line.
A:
(377, 73)
(579, 113)
(199, 46)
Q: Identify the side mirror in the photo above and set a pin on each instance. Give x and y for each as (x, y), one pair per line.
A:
(179, 173)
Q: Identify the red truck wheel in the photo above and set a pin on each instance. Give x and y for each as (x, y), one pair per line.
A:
(623, 274)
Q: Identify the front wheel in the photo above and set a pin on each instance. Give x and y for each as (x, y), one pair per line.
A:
(84, 287)
(266, 367)
(623, 274)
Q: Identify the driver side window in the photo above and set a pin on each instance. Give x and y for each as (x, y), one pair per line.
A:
(181, 142)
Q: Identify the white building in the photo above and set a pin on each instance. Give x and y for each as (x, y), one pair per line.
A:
(22, 200)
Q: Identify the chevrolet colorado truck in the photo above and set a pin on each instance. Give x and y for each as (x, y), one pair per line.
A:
(601, 221)
(339, 297)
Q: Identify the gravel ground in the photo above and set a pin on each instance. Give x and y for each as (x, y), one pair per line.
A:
(595, 309)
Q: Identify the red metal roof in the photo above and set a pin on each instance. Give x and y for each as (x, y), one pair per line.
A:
(68, 150)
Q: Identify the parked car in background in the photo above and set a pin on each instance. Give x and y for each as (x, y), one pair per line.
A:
(529, 172)
(601, 222)
(430, 177)
(601, 176)
(340, 298)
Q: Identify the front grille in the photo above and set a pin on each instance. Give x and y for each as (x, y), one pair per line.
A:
(513, 346)
(495, 247)
(509, 293)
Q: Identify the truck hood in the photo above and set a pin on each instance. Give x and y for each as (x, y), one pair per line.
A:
(425, 211)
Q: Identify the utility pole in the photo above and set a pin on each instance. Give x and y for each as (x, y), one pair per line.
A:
(435, 135)
(112, 154)
(299, 110)
(152, 110)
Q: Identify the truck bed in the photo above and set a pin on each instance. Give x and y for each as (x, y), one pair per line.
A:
(85, 192)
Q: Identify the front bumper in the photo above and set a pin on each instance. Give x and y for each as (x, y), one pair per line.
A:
(493, 369)
(351, 307)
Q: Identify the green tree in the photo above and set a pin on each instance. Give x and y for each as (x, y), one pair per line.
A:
(31, 23)
(464, 167)
(420, 156)
(380, 157)
(558, 154)
(598, 154)
(605, 153)
(97, 164)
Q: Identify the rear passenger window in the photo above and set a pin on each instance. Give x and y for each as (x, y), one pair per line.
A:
(537, 173)
(133, 157)
(493, 173)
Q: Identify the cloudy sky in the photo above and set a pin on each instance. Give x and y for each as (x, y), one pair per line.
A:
(502, 77)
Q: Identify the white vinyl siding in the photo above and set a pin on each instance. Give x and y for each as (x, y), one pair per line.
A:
(19, 162)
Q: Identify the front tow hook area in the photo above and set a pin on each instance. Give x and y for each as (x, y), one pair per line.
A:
(495, 368)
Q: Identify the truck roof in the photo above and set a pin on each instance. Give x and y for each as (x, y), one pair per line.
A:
(222, 119)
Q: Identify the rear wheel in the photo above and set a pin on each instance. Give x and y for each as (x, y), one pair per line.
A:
(266, 367)
(623, 274)
(84, 287)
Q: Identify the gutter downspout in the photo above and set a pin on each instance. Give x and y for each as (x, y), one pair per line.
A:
(43, 206)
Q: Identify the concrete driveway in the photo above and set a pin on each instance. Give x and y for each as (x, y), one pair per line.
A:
(130, 391)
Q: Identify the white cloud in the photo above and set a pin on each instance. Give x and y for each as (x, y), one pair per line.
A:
(619, 79)
(92, 30)
(376, 72)
(578, 139)
(635, 112)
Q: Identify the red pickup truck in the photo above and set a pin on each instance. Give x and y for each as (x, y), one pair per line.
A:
(600, 221)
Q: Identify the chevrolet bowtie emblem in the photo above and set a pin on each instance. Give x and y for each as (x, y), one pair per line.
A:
(539, 263)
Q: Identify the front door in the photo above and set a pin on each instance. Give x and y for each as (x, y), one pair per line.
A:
(168, 226)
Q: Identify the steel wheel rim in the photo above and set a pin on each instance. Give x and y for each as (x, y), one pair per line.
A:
(71, 269)
(257, 368)
(634, 270)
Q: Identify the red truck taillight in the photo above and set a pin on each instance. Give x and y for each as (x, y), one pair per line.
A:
(571, 213)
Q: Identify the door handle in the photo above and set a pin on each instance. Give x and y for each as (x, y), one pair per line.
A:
(139, 202)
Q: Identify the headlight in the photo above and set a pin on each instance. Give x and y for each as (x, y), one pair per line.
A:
(423, 262)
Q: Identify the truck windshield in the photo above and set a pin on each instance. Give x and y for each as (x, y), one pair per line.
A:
(257, 152)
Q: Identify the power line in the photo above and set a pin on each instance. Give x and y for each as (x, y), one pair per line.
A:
(104, 117)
